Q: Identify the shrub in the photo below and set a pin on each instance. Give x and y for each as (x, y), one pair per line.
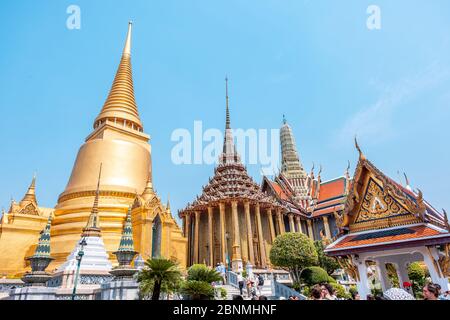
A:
(314, 275)
(197, 290)
(200, 272)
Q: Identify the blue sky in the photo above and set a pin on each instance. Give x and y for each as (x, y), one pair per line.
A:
(314, 61)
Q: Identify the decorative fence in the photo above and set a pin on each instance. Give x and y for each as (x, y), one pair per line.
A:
(281, 290)
(232, 279)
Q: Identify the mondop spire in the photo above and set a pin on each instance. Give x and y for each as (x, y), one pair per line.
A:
(120, 106)
(229, 154)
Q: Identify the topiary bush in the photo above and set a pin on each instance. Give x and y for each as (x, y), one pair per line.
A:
(314, 275)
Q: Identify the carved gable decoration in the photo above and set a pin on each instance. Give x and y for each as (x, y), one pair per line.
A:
(378, 204)
(29, 209)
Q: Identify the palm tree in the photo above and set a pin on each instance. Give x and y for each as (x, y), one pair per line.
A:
(159, 273)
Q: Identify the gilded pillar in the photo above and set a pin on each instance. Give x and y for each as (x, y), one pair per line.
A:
(327, 227)
(249, 233)
(197, 223)
(223, 244)
(310, 229)
(271, 226)
(262, 248)
(280, 221)
(299, 224)
(210, 236)
(187, 233)
(291, 222)
(236, 259)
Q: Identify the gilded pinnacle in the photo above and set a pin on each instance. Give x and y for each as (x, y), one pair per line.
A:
(120, 106)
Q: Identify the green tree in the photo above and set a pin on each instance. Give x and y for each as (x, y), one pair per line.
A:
(329, 264)
(159, 275)
(293, 252)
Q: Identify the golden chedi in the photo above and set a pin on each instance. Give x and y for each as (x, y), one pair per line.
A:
(119, 144)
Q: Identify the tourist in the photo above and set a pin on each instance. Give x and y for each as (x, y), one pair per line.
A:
(430, 292)
(370, 297)
(260, 283)
(241, 282)
(250, 283)
(262, 298)
(222, 271)
(355, 296)
(328, 292)
(237, 297)
(316, 293)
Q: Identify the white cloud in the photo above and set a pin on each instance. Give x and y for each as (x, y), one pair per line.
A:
(375, 122)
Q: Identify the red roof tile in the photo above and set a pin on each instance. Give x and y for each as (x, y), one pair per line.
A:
(417, 232)
(332, 189)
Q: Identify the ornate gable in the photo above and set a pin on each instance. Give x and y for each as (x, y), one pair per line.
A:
(378, 204)
(375, 201)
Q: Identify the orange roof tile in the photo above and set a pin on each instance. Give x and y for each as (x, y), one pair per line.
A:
(279, 190)
(416, 232)
(332, 189)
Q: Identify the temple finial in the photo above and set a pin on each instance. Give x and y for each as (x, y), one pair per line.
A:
(228, 124)
(127, 47)
(408, 186)
(168, 202)
(30, 195)
(361, 154)
(284, 119)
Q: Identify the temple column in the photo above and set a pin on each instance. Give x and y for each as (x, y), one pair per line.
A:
(291, 222)
(280, 221)
(262, 248)
(249, 233)
(271, 226)
(327, 227)
(187, 234)
(223, 244)
(197, 223)
(363, 283)
(210, 236)
(299, 224)
(310, 229)
(382, 275)
(236, 261)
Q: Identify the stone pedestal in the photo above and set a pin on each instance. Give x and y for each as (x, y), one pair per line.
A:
(33, 293)
(120, 289)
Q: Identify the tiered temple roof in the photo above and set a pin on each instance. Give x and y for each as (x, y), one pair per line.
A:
(230, 180)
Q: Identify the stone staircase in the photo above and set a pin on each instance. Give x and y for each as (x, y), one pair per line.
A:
(231, 291)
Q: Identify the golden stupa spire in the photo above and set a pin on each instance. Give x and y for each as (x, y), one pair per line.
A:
(92, 227)
(30, 195)
(120, 106)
